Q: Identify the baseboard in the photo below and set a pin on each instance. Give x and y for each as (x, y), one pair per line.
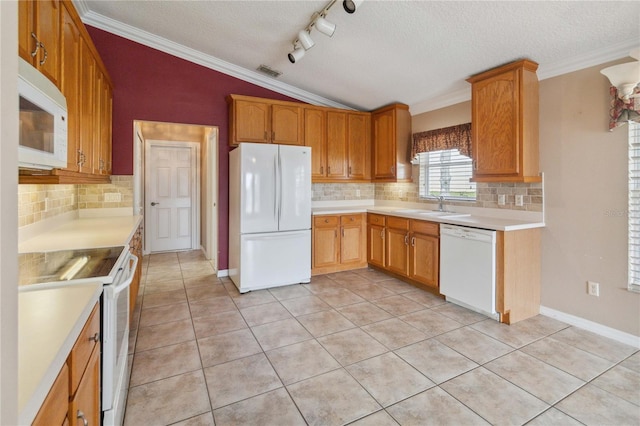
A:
(594, 327)
(223, 273)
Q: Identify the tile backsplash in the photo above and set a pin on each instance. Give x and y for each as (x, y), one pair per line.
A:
(39, 202)
(342, 191)
(93, 196)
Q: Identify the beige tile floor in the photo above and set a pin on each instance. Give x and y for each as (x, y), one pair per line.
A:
(358, 347)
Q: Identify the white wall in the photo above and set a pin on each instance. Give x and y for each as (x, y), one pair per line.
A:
(8, 213)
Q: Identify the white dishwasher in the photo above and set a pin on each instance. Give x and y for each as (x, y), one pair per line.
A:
(468, 267)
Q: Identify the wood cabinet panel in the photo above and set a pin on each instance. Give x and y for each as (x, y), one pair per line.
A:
(135, 248)
(397, 251)
(88, 339)
(55, 407)
(87, 93)
(336, 145)
(287, 125)
(315, 136)
(70, 46)
(47, 29)
(359, 146)
(376, 219)
(339, 243)
(352, 245)
(326, 249)
(85, 404)
(26, 43)
(391, 144)
(376, 246)
(504, 105)
(424, 265)
(252, 121)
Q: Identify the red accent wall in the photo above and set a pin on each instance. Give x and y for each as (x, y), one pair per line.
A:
(155, 86)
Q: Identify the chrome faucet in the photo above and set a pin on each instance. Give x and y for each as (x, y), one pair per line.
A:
(441, 203)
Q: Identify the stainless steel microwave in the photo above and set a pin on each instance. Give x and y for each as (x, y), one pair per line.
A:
(43, 120)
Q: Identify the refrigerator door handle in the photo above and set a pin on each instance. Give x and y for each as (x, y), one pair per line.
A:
(279, 188)
(275, 185)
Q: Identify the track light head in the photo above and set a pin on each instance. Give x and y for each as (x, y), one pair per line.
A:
(350, 6)
(305, 39)
(325, 27)
(296, 54)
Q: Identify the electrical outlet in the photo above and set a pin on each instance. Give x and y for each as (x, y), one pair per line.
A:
(357, 192)
(593, 288)
(519, 200)
(46, 204)
(112, 197)
(501, 199)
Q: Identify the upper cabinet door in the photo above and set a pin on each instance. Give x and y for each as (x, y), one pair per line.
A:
(47, 29)
(26, 42)
(70, 45)
(358, 144)
(384, 146)
(315, 136)
(495, 113)
(336, 144)
(251, 121)
(287, 123)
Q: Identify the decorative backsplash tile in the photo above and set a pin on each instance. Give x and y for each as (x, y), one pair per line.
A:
(39, 202)
(342, 191)
(93, 196)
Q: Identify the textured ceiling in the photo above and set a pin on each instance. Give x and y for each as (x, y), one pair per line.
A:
(414, 52)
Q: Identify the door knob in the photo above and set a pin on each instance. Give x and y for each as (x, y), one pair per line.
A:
(153, 203)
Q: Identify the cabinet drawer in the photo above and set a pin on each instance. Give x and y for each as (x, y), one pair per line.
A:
(351, 219)
(376, 219)
(81, 351)
(55, 406)
(398, 223)
(430, 228)
(325, 221)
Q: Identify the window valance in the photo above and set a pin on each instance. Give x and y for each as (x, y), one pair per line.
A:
(454, 137)
(621, 112)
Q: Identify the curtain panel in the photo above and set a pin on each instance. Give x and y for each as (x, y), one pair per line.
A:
(446, 138)
(621, 112)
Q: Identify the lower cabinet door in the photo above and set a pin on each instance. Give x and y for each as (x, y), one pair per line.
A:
(375, 251)
(424, 259)
(325, 247)
(397, 254)
(351, 249)
(85, 405)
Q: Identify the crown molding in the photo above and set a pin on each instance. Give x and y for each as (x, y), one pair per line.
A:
(167, 46)
(600, 56)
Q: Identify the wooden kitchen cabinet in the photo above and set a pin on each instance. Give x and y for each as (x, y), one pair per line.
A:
(339, 243)
(39, 36)
(136, 248)
(375, 239)
(504, 113)
(55, 407)
(397, 245)
(85, 83)
(336, 145)
(391, 144)
(424, 255)
(359, 146)
(315, 136)
(265, 121)
(77, 386)
(408, 248)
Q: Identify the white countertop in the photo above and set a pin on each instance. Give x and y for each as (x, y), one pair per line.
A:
(49, 323)
(88, 232)
(472, 217)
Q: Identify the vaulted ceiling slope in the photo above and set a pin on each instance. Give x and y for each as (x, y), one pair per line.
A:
(414, 52)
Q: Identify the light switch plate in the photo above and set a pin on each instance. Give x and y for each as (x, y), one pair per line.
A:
(519, 200)
(501, 199)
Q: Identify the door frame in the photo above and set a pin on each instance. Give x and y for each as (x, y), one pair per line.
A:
(195, 188)
(210, 198)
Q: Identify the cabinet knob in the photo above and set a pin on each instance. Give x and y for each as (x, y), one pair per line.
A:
(406, 240)
(84, 419)
(326, 221)
(95, 337)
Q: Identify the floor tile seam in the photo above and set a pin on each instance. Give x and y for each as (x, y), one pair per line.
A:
(165, 323)
(573, 375)
(506, 343)
(393, 314)
(166, 377)
(189, 418)
(584, 350)
(206, 384)
(423, 331)
(213, 410)
(220, 312)
(480, 364)
(592, 382)
(554, 406)
(160, 347)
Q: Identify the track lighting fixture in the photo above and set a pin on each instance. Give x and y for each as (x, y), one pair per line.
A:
(305, 39)
(350, 6)
(318, 21)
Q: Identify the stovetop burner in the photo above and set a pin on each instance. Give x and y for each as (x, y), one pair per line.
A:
(64, 265)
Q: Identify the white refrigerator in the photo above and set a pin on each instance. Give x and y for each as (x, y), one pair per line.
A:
(269, 215)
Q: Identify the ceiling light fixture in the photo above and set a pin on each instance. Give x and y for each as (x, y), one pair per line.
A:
(350, 6)
(318, 21)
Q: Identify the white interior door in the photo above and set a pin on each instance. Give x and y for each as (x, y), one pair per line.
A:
(171, 195)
